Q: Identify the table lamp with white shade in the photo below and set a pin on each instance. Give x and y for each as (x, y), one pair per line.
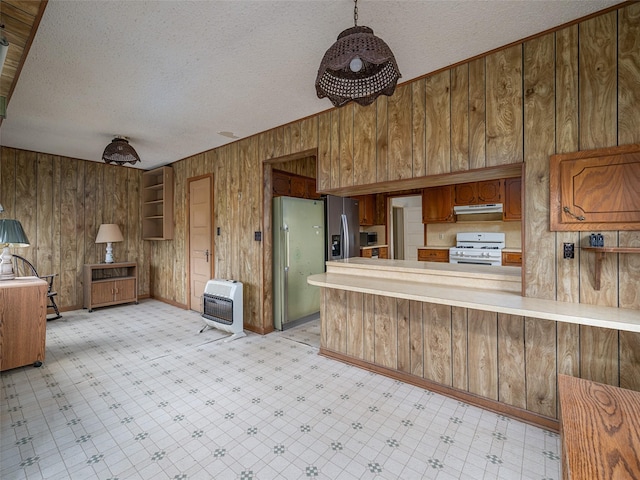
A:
(109, 233)
(11, 235)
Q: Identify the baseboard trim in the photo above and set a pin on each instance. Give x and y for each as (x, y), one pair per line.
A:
(548, 423)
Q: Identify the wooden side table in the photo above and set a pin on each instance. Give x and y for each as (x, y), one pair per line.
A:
(600, 429)
(110, 284)
(23, 322)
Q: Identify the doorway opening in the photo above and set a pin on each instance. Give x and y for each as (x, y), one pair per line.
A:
(407, 230)
(289, 176)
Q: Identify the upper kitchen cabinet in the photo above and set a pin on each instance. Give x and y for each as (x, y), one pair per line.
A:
(286, 184)
(372, 209)
(595, 189)
(157, 204)
(281, 184)
(437, 204)
(512, 199)
(475, 193)
(381, 209)
(367, 208)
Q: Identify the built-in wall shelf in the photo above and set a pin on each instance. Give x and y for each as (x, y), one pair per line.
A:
(157, 204)
(600, 253)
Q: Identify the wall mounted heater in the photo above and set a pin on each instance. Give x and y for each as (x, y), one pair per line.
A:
(222, 307)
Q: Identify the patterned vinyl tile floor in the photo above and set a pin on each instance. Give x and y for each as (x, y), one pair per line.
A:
(135, 392)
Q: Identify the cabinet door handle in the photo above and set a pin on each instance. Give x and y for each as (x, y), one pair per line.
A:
(577, 217)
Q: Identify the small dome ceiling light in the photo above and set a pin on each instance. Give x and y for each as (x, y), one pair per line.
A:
(120, 152)
(358, 67)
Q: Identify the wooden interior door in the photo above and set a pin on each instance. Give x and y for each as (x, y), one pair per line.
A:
(200, 238)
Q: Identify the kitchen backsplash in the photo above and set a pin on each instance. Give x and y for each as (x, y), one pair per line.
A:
(444, 234)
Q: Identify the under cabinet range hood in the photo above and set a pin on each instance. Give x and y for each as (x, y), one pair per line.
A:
(482, 208)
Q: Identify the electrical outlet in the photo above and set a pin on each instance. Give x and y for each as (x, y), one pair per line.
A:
(257, 236)
(218, 231)
(568, 250)
(441, 236)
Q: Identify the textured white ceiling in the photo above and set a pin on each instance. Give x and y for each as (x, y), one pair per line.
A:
(170, 74)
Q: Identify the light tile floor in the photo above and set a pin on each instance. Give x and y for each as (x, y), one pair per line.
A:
(134, 392)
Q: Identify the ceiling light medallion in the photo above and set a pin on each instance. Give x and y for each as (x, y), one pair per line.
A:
(358, 67)
(120, 152)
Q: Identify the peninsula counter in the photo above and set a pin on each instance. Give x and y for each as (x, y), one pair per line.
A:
(465, 331)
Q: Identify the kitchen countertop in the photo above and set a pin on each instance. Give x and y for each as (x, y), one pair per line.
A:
(493, 278)
(451, 284)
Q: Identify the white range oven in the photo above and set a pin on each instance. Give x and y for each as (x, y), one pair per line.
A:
(478, 248)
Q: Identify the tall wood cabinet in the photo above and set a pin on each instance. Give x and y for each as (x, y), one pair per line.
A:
(110, 284)
(157, 204)
(23, 322)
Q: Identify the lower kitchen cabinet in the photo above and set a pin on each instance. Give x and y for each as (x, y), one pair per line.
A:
(110, 284)
(369, 252)
(433, 255)
(511, 259)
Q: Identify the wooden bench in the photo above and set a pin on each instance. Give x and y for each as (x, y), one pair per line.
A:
(600, 430)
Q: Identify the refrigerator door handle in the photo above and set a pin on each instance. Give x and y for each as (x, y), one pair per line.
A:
(285, 228)
(345, 240)
(285, 309)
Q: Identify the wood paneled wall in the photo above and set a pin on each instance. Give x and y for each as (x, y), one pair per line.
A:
(61, 203)
(572, 89)
(566, 90)
(474, 354)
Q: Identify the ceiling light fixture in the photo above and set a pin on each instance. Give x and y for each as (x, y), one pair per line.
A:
(358, 67)
(120, 152)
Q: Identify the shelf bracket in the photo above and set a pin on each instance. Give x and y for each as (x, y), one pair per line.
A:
(598, 269)
(600, 252)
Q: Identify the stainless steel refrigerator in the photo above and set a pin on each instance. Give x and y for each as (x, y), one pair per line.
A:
(342, 219)
(298, 251)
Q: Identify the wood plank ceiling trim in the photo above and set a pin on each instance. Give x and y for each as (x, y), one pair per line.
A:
(20, 19)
